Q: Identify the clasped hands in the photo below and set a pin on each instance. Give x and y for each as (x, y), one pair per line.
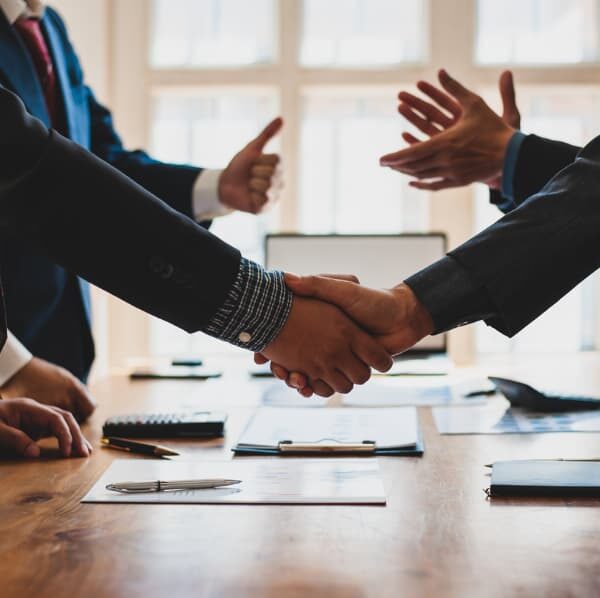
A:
(338, 330)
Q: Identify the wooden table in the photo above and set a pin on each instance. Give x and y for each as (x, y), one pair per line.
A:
(438, 535)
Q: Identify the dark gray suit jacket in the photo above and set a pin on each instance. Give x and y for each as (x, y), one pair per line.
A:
(98, 223)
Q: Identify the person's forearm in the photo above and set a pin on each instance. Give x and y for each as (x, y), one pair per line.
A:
(536, 254)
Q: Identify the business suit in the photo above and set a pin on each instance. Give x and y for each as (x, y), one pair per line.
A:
(44, 301)
(538, 160)
(117, 235)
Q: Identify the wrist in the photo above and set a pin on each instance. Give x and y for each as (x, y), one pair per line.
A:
(412, 312)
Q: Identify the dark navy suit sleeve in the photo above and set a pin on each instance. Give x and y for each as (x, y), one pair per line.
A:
(93, 220)
(539, 160)
(528, 260)
(171, 182)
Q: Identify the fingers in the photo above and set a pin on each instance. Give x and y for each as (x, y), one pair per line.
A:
(346, 277)
(428, 110)
(16, 441)
(339, 381)
(440, 98)
(371, 353)
(58, 427)
(420, 151)
(463, 95)
(510, 111)
(339, 292)
(321, 388)
(267, 133)
(436, 185)
(260, 359)
(267, 160)
(410, 139)
(423, 124)
(79, 446)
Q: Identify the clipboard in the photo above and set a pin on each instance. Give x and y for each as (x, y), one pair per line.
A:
(330, 432)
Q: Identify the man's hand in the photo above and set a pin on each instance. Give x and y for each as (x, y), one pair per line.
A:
(251, 180)
(395, 316)
(432, 120)
(52, 385)
(23, 421)
(471, 148)
(327, 347)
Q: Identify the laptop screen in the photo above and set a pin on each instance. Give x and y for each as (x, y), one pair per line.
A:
(379, 261)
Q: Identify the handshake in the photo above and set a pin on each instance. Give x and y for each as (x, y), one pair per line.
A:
(338, 330)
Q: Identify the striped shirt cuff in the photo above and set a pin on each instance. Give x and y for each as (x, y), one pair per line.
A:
(255, 310)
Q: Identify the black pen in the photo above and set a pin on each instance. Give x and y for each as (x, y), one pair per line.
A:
(137, 447)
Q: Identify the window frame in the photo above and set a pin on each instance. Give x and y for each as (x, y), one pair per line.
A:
(450, 43)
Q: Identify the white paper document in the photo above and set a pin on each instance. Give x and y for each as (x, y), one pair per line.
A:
(388, 428)
(263, 481)
(499, 418)
(422, 391)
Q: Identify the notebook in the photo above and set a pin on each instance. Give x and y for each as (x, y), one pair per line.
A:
(545, 478)
(332, 430)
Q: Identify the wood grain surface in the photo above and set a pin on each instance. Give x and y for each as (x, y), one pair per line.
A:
(438, 535)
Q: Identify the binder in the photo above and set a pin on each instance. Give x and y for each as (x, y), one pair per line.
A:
(331, 431)
(545, 478)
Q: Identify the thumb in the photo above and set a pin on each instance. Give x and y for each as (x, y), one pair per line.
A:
(17, 441)
(338, 292)
(456, 89)
(510, 111)
(267, 134)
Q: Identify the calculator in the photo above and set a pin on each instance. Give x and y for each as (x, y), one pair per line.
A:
(197, 424)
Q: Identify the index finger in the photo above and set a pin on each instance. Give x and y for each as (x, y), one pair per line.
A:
(267, 159)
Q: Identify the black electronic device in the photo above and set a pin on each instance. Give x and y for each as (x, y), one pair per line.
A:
(194, 424)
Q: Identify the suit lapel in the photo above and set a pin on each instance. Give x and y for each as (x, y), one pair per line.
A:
(62, 76)
(18, 70)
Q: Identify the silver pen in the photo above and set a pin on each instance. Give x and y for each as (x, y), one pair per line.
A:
(160, 486)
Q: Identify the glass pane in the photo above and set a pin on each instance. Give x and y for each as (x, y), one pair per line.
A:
(212, 33)
(537, 31)
(570, 325)
(363, 32)
(342, 187)
(207, 127)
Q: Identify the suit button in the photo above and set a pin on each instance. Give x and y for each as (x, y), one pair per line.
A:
(167, 271)
(157, 264)
(245, 337)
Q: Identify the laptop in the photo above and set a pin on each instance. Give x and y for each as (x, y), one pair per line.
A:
(379, 261)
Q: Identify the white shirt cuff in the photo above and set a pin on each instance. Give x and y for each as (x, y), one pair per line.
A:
(206, 201)
(13, 357)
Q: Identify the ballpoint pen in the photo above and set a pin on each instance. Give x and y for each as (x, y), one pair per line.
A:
(142, 448)
(160, 486)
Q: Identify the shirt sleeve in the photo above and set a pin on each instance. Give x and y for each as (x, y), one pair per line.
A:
(205, 201)
(450, 295)
(508, 171)
(255, 310)
(13, 357)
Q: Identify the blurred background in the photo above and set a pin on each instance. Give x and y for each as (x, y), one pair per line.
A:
(194, 80)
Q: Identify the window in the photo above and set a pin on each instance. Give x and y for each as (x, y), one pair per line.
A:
(211, 73)
(537, 31)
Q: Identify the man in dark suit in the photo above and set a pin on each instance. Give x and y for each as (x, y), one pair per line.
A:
(45, 301)
(161, 261)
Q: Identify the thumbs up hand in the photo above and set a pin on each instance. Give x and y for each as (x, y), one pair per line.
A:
(466, 146)
(251, 180)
